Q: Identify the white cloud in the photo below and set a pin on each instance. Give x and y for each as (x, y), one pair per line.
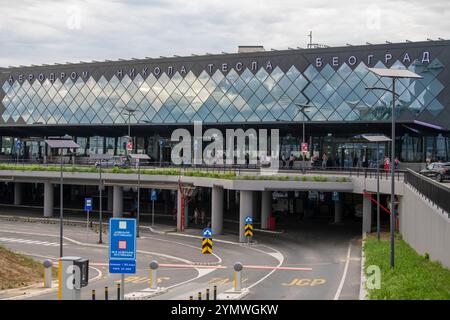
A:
(47, 31)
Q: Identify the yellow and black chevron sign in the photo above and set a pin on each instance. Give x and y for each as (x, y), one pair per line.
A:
(248, 230)
(207, 244)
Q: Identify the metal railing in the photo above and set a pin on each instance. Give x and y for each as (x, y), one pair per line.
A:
(435, 192)
(236, 169)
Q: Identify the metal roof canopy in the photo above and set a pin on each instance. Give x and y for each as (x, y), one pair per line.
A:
(62, 144)
(394, 73)
(376, 138)
(139, 156)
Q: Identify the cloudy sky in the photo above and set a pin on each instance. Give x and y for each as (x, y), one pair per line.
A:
(48, 31)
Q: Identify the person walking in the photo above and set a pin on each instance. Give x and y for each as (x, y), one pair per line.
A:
(196, 215)
(324, 161)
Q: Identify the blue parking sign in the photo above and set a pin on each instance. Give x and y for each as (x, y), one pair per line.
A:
(153, 196)
(122, 245)
(88, 204)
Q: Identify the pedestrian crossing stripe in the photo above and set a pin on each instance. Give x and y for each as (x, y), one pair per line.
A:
(207, 244)
(28, 241)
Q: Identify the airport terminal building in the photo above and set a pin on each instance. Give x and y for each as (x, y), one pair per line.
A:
(249, 89)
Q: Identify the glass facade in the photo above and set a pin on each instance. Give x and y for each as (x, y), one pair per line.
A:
(336, 94)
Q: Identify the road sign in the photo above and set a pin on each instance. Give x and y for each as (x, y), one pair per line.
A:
(122, 245)
(129, 146)
(153, 195)
(335, 196)
(87, 204)
(305, 147)
(248, 230)
(207, 233)
(207, 244)
(248, 220)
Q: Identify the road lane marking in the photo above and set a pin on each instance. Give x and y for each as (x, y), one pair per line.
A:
(344, 274)
(27, 241)
(304, 282)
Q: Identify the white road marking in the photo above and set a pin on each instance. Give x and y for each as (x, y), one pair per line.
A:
(27, 241)
(344, 274)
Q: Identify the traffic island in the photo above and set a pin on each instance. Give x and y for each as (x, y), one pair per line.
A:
(233, 294)
(145, 294)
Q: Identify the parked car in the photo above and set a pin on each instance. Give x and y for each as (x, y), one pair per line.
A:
(438, 170)
(114, 162)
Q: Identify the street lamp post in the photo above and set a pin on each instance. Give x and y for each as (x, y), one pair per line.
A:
(61, 145)
(393, 74)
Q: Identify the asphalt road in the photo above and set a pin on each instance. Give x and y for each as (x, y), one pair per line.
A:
(332, 251)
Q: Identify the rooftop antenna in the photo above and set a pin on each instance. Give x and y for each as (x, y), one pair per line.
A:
(310, 39)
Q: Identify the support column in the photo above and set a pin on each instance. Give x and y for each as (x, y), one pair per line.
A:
(17, 193)
(217, 210)
(367, 216)
(179, 204)
(48, 199)
(266, 208)
(256, 205)
(338, 210)
(110, 198)
(245, 209)
(117, 201)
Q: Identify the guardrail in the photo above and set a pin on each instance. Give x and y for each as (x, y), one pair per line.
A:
(435, 192)
(236, 169)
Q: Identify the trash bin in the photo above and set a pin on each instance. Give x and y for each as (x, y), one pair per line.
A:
(271, 224)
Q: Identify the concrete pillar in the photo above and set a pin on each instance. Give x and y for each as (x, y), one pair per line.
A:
(17, 193)
(217, 210)
(338, 211)
(256, 205)
(179, 203)
(266, 208)
(48, 199)
(367, 215)
(245, 209)
(117, 201)
(110, 198)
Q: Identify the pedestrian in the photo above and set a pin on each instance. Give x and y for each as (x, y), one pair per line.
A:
(283, 159)
(196, 215)
(203, 216)
(324, 161)
(291, 161)
(397, 162)
(386, 164)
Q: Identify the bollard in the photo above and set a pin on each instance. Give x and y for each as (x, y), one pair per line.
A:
(215, 293)
(106, 293)
(118, 291)
(154, 274)
(47, 274)
(237, 277)
(199, 296)
(93, 294)
(207, 294)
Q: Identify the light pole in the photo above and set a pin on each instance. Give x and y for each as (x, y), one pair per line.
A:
(61, 145)
(100, 219)
(303, 109)
(393, 74)
(377, 139)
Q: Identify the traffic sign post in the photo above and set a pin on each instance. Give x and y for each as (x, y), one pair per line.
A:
(153, 198)
(207, 241)
(248, 230)
(87, 208)
(122, 248)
